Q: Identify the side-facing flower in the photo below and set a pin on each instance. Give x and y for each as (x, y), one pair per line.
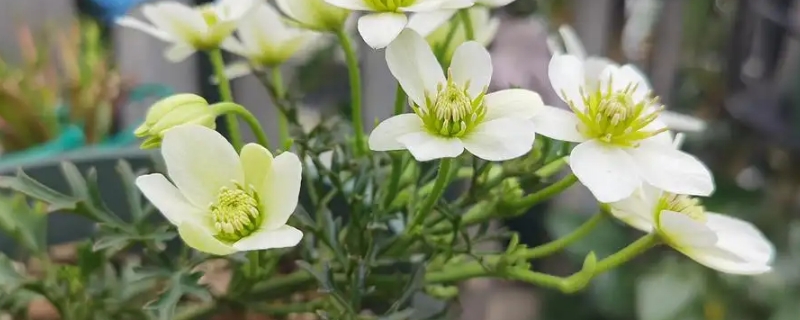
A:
(715, 240)
(574, 46)
(484, 29)
(172, 111)
(454, 112)
(223, 202)
(387, 18)
(315, 15)
(266, 40)
(622, 142)
(189, 29)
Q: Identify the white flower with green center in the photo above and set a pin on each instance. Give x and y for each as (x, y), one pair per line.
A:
(315, 15)
(436, 32)
(189, 29)
(223, 202)
(622, 142)
(387, 18)
(717, 241)
(454, 113)
(572, 44)
(267, 40)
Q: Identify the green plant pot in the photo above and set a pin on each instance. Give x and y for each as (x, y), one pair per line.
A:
(64, 227)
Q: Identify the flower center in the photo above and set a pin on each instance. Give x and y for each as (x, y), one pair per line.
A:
(389, 5)
(614, 117)
(236, 213)
(209, 13)
(687, 205)
(451, 112)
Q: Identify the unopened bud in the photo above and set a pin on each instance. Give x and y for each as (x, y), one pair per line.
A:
(171, 112)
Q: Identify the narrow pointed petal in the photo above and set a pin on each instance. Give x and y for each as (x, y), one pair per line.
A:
(283, 237)
(380, 29)
(566, 76)
(200, 162)
(177, 19)
(178, 52)
(608, 172)
(500, 139)
(256, 165)
(168, 199)
(572, 43)
(682, 122)
(512, 103)
(494, 3)
(349, 4)
(425, 146)
(411, 61)
(200, 238)
(137, 24)
(426, 22)
(281, 190)
(384, 136)
(472, 64)
(558, 124)
(672, 170)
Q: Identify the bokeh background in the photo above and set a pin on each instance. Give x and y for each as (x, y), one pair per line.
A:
(732, 63)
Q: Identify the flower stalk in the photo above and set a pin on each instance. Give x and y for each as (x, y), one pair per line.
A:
(224, 87)
(230, 109)
(354, 74)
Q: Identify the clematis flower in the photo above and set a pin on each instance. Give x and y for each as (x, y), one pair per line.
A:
(387, 18)
(622, 142)
(484, 25)
(315, 15)
(222, 202)
(572, 44)
(266, 40)
(717, 241)
(189, 29)
(454, 113)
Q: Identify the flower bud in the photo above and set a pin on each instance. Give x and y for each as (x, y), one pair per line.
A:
(171, 112)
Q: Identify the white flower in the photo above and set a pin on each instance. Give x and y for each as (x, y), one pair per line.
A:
(222, 202)
(717, 241)
(387, 18)
(454, 113)
(436, 32)
(265, 39)
(189, 29)
(574, 47)
(314, 14)
(622, 143)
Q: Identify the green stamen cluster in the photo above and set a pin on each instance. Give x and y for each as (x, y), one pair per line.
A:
(615, 118)
(236, 213)
(388, 5)
(209, 13)
(687, 205)
(451, 112)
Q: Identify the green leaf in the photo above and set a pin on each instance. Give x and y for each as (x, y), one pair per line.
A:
(34, 189)
(10, 279)
(132, 194)
(665, 294)
(26, 225)
(75, 180)
(179, 284)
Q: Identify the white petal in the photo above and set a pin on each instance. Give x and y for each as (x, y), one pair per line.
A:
(262, 30)
(636, 210)
(167, 199)
(566, 76)
(500, 139)
(236, 9)
(672, 170)
(201, 238)
(283, 237)
(349, 4)
(472, 63)
(282, 190)
(512, 103)
(200, 162)
(572, 42)
(741, 237)
(432, 5)
(380, 29)
(235, 70)
(413, 64)
(607, 172)
(557, 124)
(726, 261)
(494, 3)
(426, 22)
(425, 146)
(384, 136)
(176, 18)
(592, 69)
(132, 23)
(178, 52)
(682, 122)
(301, 11)
(256, 164)
(685, 233)
(636, 77)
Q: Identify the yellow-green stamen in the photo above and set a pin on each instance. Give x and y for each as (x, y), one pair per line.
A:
(615, 118)
(451, 112)
(389, 5)
(235, 214)
(689, 206)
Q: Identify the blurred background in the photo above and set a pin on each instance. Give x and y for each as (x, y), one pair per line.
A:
(732, 63)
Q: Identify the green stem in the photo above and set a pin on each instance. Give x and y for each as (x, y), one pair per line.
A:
(561, 243)
(468, 30)
(394, 179)
(544, 194)
(232, 109)
(224, 86)
(551, 168)
(283, 123)
(442, 180)
(399, 100)
(354, 73)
